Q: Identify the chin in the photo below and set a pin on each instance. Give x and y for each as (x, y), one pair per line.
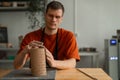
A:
(53, 28)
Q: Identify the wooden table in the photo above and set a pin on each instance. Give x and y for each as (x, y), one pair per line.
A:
(82, 74)
(73, 74)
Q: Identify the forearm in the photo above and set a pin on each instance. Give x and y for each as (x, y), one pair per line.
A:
(70, 63)
(20, 59)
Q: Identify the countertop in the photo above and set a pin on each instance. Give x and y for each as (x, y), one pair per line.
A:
(68, 74)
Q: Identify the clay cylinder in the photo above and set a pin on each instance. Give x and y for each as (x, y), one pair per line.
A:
(38, 61)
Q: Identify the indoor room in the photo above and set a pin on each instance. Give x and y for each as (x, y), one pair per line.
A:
(96, 33)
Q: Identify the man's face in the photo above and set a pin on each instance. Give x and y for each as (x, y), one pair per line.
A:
(53, 18)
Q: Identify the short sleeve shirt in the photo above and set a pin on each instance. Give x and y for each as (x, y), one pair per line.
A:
(67, 45)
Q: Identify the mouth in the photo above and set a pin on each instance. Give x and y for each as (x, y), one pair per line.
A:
(52, 24)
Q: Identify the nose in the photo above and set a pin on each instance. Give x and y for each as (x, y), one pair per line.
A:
(53, 19)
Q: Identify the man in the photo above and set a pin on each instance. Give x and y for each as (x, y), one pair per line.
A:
(60, 44)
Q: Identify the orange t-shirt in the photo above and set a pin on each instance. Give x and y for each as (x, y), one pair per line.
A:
(67, 45)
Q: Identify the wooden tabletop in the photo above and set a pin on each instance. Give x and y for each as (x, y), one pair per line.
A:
(82, 74)
(4, 72)
(73, 74)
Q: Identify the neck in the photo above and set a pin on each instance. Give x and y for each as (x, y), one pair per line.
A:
(50, 31)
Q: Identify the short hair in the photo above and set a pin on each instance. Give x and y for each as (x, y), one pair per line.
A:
(55, 5)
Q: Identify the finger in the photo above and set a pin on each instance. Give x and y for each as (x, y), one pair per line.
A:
(48, 54)
(29, 47)
(49, 61)
(38, 42)
(35, 43)
(48, 58)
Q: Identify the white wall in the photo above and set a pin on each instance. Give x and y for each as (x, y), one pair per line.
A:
(68, 21)
(92, 20)
(17, 25)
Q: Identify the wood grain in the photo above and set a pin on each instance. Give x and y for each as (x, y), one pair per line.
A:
(4, 72)
(73, 74)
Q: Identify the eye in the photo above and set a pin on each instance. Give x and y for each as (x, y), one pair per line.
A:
(51, 16)
(58, 17)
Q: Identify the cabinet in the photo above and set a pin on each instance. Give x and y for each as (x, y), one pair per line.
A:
(85, 56)
(7, 54)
